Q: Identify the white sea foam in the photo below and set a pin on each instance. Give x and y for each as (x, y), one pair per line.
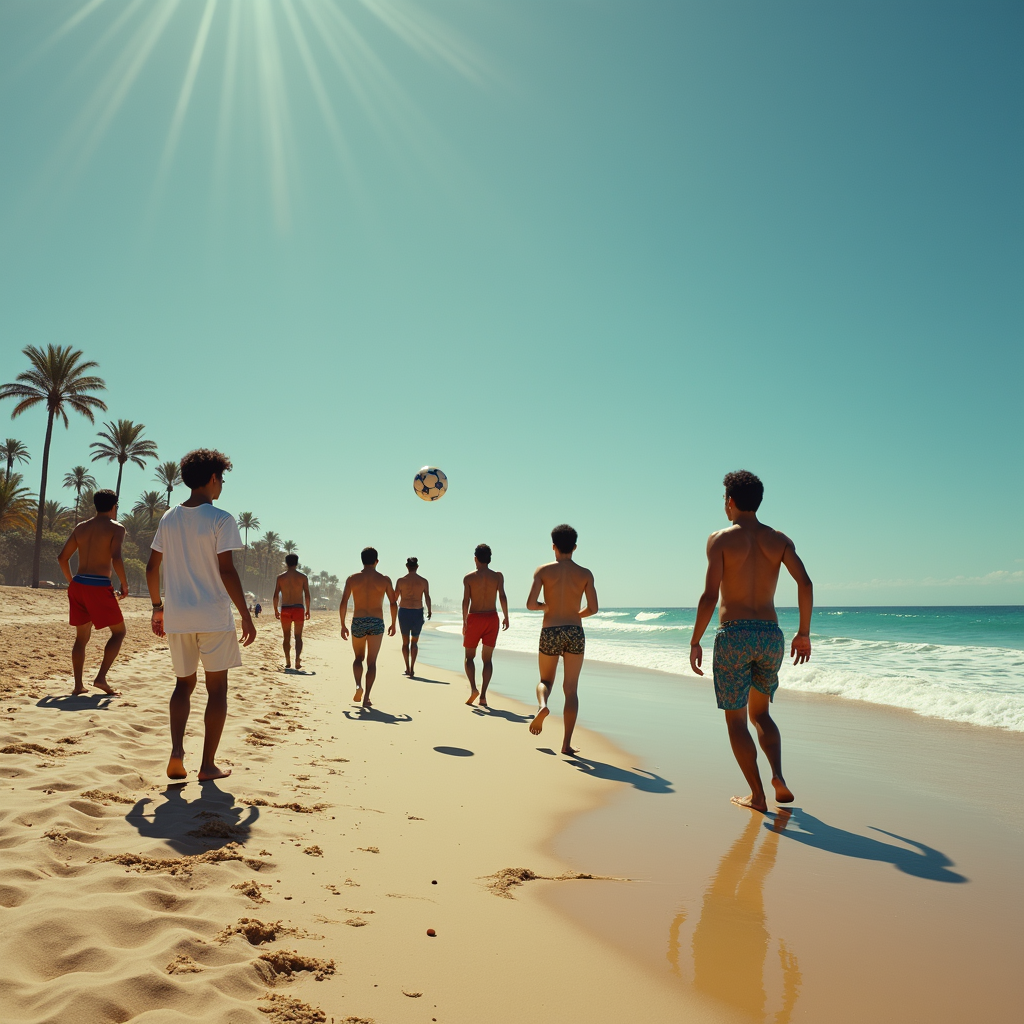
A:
(645, 616)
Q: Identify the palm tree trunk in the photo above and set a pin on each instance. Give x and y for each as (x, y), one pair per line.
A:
(169, 497)
(120, 470)
(38, 551)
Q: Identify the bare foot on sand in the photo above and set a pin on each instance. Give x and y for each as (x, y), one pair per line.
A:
(358, 696)
(213, 772)
(102, 684)
(569, 752)
(367, 704)
(78, 691)
(176, 767)
(783, 794)
(483, 702)
(298, 665)
(751, 802)
(538, 721)
(473, 696)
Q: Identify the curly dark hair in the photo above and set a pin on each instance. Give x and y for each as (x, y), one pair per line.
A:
(745, 489)
(368, 556)
(564, 538)
(202, 463)
(483, 553)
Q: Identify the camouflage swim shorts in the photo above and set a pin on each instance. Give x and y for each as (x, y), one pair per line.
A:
(748, 652)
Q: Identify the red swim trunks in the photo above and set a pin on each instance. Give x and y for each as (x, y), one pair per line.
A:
(95, 604)
(293, 613)
(481, 627)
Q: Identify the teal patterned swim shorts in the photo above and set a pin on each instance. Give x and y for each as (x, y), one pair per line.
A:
(367, 625)
(748, 652)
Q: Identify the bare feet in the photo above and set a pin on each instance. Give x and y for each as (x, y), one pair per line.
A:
(367, 704)
(783, 794)
(213, 772)
(538, 721)
(176, 767)
(102, 684)
(569, 752)
(298, 664)
(78, 691)
(751, 802)
(483, 702)
(473, 696)
(358, 696)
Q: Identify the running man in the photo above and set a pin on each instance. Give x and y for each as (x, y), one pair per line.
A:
(193, 543)
(90, 594)
(367, 589)
(480, 619)
(412, 590)
(293, 590)
(743, 564)
(565, 584)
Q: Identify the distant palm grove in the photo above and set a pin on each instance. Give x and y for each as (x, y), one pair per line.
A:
(33, 528)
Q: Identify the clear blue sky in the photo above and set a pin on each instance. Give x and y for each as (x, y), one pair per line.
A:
(584, 255)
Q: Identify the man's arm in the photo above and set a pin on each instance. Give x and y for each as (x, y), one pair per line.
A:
(707, 602)
(233, 585)
(306, 597)
(393, 599)
(277, 591)
(532, 602)
(591, 594)
(116, 561)
(426, 597)
(153, 584)
(343, 607)
(64, 558)
(800, 649)
(504, 601)
(466, 595)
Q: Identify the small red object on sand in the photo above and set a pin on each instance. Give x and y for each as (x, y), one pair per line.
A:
(431, 932)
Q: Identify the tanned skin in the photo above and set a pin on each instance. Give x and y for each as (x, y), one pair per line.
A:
(98, 543)
(565, 584)
(743, 566)
(412, 590)
(367, 589)
(216, 682)
(480, 591)
(292, 588)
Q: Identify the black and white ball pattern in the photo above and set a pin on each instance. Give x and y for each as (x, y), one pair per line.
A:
(430, 483)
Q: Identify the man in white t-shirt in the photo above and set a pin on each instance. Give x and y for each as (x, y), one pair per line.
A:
(194, 542)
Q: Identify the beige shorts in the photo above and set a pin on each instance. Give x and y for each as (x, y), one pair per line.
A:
(217, 651)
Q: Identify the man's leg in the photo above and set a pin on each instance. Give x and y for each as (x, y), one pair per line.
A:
(745, 752)
(110, 652)
(286, 629)
(181, 702)
(82, 634)
(372, 647)
(572, 665)
(758, 708)
(298, 643)
(405, 653)
(471, 673)
(414, 649)
(213, 721)
(548, 664)
(359, 650)
(486, 653)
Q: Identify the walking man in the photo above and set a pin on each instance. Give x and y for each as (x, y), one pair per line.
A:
(743, 566)
(565, 584)
(367, 588)
(293, 590)
(90, 593)
(193, 543)
(481, 589)
(412, 590)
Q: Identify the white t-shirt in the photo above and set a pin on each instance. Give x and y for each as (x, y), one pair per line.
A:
(190, 539)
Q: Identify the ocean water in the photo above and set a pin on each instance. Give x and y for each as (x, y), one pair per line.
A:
(961, 664)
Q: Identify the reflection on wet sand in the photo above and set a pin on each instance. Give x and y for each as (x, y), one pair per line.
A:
(731, 940)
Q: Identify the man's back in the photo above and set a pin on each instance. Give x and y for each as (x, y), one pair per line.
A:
(96, 539)
(483, 584)
(368, 589)
(292, 584)
(410, 589)
(564, 584)
(752, 555)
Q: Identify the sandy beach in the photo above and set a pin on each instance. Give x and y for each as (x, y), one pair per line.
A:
(302, 887)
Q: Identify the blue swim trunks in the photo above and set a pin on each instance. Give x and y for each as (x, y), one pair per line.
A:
(367, 625)
(748, 653)
(410, 620)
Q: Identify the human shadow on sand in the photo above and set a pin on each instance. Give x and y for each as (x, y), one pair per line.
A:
(424, 679)
(97, 701)
(509, 716)
(922, 862)
(648, 782)
(376, 715)
(214, 815)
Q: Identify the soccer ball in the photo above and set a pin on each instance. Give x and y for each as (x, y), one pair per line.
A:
(430, 483)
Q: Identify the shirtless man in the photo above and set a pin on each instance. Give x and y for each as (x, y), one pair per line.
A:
(743, 564)
(367, 589)
(412, 589)
(564, 584)
(293, 590)
(90, 594)
(480, 619)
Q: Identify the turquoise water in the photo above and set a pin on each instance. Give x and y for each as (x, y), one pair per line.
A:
(961, 664)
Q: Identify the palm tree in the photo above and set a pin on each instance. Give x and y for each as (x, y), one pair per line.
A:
(58, 377)
(272, 540)
(169, 474)
(122, 442)
(13, 450)
(16, 504)
(247, 521)
(54, 514)
(289, 547)
(81, 479)
(150, 502)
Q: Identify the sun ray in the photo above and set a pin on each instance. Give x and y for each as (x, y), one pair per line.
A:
(274, 108)
(227, 100)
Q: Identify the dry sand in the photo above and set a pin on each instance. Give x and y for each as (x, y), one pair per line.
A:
(302, 887)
